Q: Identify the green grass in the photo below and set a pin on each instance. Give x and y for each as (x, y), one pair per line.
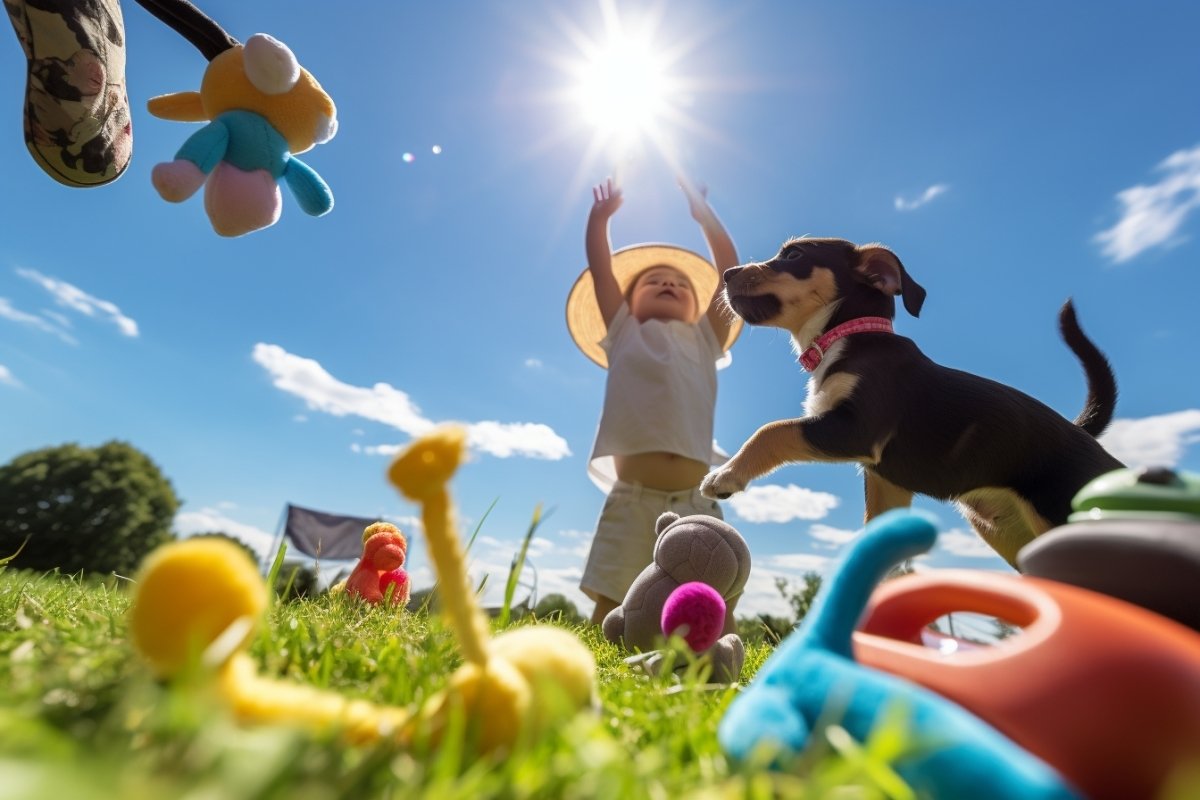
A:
(80, 717)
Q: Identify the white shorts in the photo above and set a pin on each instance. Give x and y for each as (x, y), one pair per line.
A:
(624, 542)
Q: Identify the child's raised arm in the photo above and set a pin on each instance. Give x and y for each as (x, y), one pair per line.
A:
(599, 252)
(720, 245)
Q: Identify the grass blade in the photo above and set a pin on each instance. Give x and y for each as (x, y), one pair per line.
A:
(4, 561)
(514, 572)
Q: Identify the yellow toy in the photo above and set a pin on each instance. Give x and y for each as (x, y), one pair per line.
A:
(198, 601)
(518, 683)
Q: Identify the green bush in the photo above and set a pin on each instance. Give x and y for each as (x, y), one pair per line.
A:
(95, 509)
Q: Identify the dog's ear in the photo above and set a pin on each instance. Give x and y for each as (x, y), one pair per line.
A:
(879, 268)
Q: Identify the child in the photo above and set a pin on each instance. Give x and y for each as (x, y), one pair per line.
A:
(651, 314)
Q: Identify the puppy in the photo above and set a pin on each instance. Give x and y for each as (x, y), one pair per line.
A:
(1011, 463)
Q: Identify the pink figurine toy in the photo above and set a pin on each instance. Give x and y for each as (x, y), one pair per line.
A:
(381, 566)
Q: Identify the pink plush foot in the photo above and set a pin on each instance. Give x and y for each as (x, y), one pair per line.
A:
(239, 202)
(399, 579)
(176, 181)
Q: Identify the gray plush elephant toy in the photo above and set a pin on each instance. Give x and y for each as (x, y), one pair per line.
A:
(693, 548)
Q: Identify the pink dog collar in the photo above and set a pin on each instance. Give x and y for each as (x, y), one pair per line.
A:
(811, 357)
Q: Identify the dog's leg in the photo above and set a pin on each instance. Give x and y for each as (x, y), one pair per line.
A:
(1003, 519)
(786, 441)
(883, 495)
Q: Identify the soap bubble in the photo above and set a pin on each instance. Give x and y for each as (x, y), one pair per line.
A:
(408, 158)
(437, 149)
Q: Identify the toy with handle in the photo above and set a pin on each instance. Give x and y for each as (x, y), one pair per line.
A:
(813, 674)
(1105, 691)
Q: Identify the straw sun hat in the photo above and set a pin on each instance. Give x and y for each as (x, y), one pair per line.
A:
(583, 313)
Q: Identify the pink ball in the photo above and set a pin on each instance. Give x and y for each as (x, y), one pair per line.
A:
(695, 611)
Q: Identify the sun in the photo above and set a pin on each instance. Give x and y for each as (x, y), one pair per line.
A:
(623, 89)
(622, 85)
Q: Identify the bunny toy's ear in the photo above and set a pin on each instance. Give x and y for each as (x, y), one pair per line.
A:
(192, 24)
(270, 66)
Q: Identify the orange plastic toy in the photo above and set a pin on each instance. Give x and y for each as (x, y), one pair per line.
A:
(1105, 691)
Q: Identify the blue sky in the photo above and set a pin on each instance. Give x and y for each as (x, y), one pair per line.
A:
(1011, 154)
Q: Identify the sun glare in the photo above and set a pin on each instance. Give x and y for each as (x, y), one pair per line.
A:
(623, 89)
(625, 85)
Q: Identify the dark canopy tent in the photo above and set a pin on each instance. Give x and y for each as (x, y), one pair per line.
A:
(321, 535)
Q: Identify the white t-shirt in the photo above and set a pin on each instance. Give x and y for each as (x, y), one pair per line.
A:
(661, 392)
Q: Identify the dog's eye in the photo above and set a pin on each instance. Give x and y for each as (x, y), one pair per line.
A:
(792, 252)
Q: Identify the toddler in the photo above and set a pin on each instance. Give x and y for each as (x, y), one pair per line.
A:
(653, 316)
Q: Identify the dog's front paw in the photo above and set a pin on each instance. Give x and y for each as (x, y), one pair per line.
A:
(721, 484)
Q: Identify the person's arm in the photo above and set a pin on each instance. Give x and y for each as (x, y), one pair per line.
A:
(720, 246)
(607, 198)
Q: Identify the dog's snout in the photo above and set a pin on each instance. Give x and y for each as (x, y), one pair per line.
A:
(731, 273)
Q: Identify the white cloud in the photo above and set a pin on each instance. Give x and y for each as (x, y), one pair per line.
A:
(964, 544)
(539, 546)
(61, 319)
(773, 503)
(1151, 216)
(308, 380)
(925, 197)
(320, 391)
(6, 377)
(1153, 441)
(576, 544)
(12, 314)
(76, 299)
(211, 520)
(375, 449)
(409, 526)
(833, 537)
(761, 596)
(796, 562)
(505, 439)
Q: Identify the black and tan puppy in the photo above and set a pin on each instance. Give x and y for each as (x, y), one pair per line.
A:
(1011, 463)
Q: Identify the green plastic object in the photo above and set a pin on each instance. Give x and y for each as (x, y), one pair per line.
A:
(1144, 493)
(1135, 535)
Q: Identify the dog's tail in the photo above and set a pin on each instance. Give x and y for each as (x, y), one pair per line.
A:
(1102, 385)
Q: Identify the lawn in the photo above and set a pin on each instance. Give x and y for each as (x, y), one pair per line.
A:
(81, 717)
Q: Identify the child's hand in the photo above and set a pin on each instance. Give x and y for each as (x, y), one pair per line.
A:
(697, 197)
(608, 199)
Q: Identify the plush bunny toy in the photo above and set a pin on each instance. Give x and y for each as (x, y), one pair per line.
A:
(262, 108)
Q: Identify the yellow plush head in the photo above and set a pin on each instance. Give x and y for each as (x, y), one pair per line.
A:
(424, 469)
(262, 76)
(188, 594)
